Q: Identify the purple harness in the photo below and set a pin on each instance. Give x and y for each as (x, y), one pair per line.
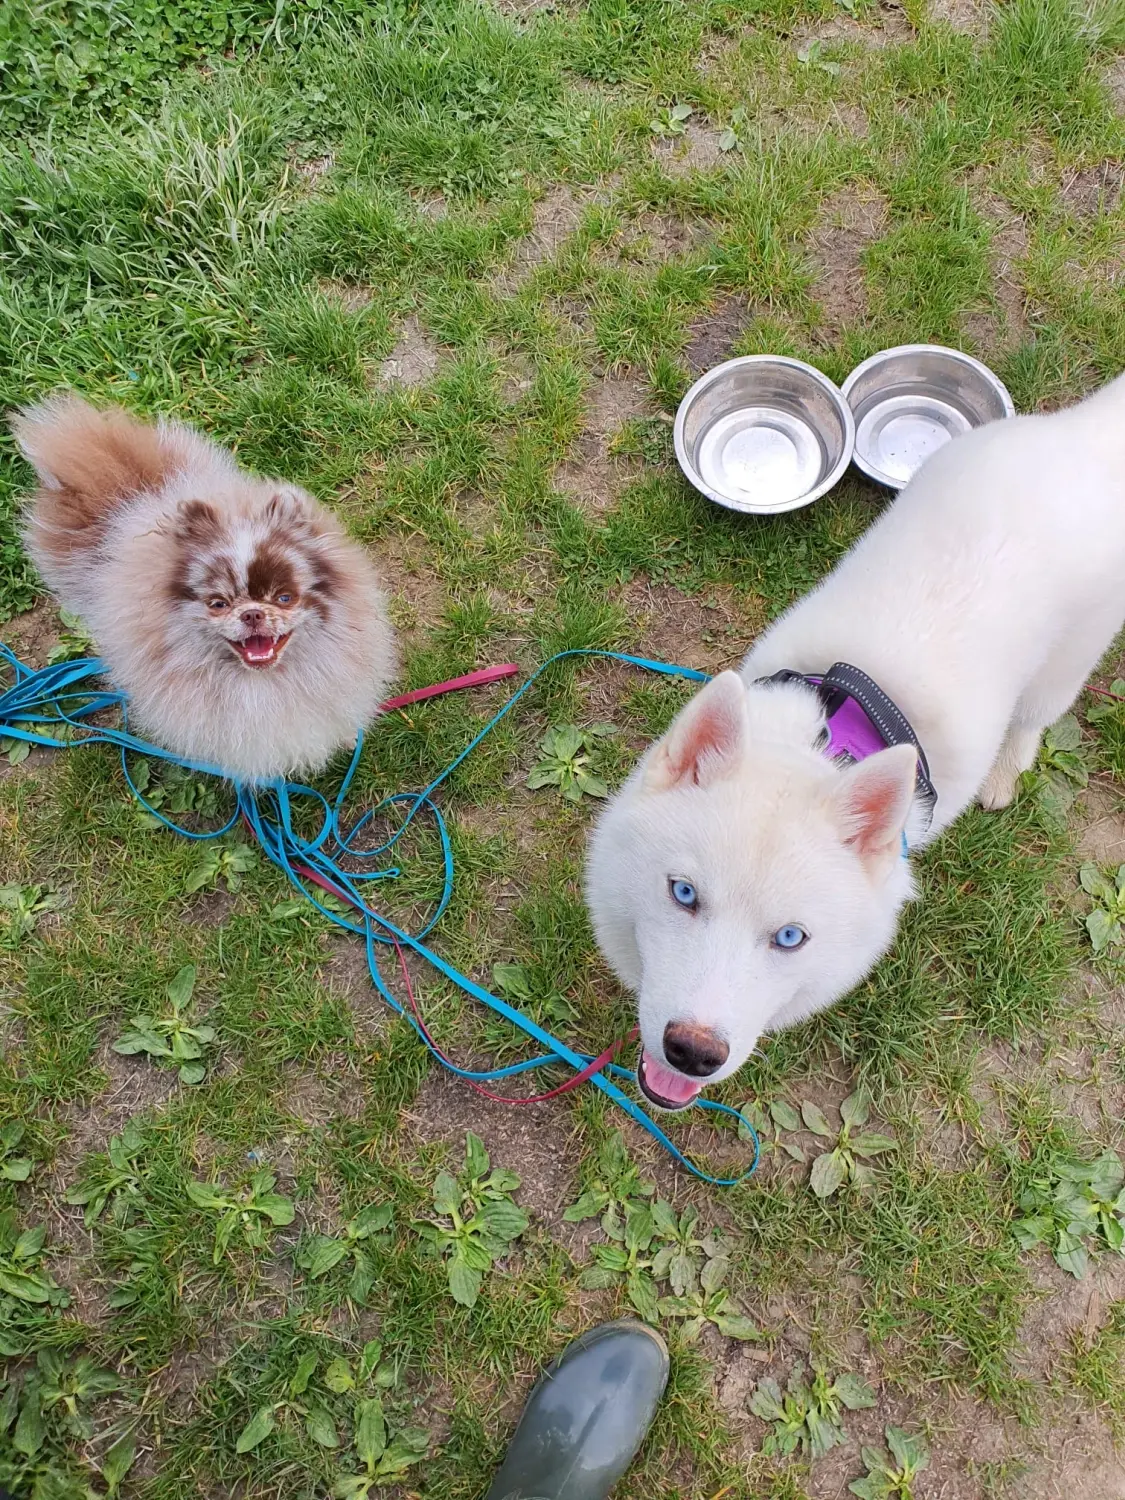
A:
(860, 720)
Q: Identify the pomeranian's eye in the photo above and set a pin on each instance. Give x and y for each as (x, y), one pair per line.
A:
(217, 602)
(283, 599)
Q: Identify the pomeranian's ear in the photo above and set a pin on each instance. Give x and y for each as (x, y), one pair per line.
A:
(291, 509)
(197, 522)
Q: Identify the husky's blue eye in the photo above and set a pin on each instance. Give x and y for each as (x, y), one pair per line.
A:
(684, 894)
(790, 936)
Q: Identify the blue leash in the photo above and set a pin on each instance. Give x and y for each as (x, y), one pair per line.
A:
(59, 698)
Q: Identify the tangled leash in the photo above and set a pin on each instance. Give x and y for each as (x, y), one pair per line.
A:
(52, 708)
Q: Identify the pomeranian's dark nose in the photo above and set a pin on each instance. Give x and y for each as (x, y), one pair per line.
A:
(253, 619)
(694, 1050)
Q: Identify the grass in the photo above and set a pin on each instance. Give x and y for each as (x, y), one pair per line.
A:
(228, 211)
(1097, 1365)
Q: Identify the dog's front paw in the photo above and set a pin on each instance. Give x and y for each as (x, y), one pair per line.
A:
(999, 789)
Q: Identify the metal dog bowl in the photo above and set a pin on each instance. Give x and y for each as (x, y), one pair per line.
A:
(908, 402)
(763, 434)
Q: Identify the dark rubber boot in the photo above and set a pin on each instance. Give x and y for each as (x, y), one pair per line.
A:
(586, 1417)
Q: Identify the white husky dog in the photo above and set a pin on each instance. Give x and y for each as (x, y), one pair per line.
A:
(741, 880)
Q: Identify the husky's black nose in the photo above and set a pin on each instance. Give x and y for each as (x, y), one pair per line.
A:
(694, 1050)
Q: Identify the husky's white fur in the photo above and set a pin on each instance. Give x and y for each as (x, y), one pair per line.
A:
(980, 601)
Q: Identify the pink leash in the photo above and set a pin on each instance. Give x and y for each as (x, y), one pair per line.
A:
(454, 685)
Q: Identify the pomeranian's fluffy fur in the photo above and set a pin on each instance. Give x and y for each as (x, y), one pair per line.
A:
(248, 631)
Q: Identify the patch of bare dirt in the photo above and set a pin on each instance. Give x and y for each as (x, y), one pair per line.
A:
(349, 295)
(889, 26)
(38, 759)
(206, 1154)
(718, 55)
(273, 1291)
(345, 973)
(652, 239)
(524, 10)
(968, 1442)
(186, 1371)
(554, 219)
(707, 631)
(1066, 1307)
(1009, 247)
(318, 1096)
(720, 1153)
(514, 821)
(210, 909)
(968, 16)
(1086, 1084)
(1004, 325)
(712, 338)
(610, 403)
(415, 358)
(1101, 836)
(418, 596)
(32, 634)
(591, 478)
(518, 373)
(943, 1138)
(1070, 1458)
(89, 1295)
(1073, 1454)
(431, 205)
(476, 513)
(852, 118)
(1086, 1473)
(1115, 79)
(744, 1367)
(739, 1369)
(534, 1140)
(136, 1085)
(850, 221)
(1091, 191)
(1077, 1066)
(697, 150)
(311, 170)
(993, 1066)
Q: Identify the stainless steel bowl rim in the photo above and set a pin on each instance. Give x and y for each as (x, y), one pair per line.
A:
(957, 354)
(884, 356)
(709, 377)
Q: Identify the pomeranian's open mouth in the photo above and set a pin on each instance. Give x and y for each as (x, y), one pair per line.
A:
(662, 1086)
(259, 650)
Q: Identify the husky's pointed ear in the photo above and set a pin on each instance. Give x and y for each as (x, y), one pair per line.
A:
(873, 800)
(706, 738)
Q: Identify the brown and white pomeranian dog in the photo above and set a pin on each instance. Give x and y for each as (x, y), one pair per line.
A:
(247, 629)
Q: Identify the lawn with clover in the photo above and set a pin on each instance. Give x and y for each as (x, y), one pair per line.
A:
(451, 265)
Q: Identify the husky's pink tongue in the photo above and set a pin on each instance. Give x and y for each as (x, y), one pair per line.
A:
(671, 1086)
